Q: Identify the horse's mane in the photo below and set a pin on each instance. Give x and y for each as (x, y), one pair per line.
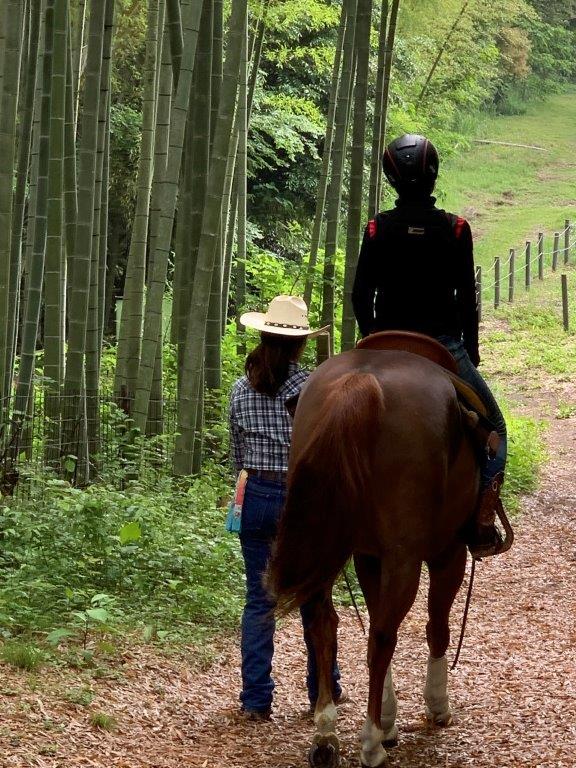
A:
(328, 479)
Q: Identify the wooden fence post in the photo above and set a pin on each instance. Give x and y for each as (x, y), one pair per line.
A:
(528, 264)
(479, 291)
(555, 251)
(567, 233)
(511, 275)
(496, 282)
(541, 255)
(565, 313)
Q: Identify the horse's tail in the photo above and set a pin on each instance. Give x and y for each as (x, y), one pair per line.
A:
(328, 485)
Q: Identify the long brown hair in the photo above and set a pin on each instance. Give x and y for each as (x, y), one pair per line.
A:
(267, 365)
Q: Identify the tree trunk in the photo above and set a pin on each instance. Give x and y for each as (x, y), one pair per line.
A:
(130, 335)
(388, 72)
(11, 79)
(363, 26)
(376, 157)
(55, 264)
(230, 203)
(194, 179)
(94, 328)
(336, 179)
(24, 146)
(242, 171)
(191, 12)
(326, 156)
(74, 405)
(78, 59)
(196, 332)
(70, 180)
(174, 17)
(36, 232)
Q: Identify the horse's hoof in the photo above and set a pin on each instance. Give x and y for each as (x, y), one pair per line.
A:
(390, 739)
(325, 751)
(442, 720)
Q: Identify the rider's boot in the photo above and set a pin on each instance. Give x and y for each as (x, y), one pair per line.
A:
(485, 539)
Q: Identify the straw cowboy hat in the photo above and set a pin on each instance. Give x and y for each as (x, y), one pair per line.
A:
(285, 316)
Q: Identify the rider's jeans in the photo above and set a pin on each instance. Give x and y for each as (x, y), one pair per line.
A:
(263, 502)
(470, 374)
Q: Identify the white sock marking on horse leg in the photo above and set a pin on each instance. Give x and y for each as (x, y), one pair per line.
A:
(436, 691)
(389, 708)
(325, 720)
(373, 753)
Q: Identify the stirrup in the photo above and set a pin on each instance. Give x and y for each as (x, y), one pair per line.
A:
(494, 544)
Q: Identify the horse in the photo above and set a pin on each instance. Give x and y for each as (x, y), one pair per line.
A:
(382, 469)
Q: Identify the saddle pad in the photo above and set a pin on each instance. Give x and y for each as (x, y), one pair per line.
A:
(426, 346)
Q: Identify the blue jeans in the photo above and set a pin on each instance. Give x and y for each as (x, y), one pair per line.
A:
(469, 373)
(263, 502)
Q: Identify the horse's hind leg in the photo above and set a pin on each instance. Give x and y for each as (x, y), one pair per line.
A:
(324, 752)
(446, 578)
(389, 589)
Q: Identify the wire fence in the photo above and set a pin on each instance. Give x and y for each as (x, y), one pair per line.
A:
(500, 282)
(52, 438)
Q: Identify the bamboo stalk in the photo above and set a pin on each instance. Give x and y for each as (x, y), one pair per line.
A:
(75, 400)
(354, 224)
(24, 151)
(322, 188)
(194, 350)
(376, 157)
(191, 13)
(55, 243)
(130, 335)
(335, 188)
(11, 80)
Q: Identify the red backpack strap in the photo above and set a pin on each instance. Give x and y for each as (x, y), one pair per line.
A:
(459, 224)
(372, 229)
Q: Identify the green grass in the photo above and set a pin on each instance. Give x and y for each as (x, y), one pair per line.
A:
(22, 655)
(509, 194)
(103, 721)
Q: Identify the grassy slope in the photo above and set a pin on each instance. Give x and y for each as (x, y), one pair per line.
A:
(510, 193)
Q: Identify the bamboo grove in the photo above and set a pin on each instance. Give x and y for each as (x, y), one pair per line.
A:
(201, 65)
(187, 237)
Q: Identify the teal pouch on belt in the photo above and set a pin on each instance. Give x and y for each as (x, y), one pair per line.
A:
(234, 516)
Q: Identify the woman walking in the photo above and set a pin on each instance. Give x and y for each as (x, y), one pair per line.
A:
(260, 428)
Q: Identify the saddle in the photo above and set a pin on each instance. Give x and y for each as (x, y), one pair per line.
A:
(472, 406)
(481, 430)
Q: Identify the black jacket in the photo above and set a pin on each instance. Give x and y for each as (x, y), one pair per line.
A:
(416, 273)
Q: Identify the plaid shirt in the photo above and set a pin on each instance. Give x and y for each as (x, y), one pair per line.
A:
(260, 426)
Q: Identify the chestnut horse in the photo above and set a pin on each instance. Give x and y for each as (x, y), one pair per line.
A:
(381, 469)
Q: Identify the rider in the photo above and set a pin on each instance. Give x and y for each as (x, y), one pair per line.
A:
(416, 273)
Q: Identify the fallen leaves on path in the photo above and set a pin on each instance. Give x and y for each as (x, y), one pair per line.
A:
(513, 694)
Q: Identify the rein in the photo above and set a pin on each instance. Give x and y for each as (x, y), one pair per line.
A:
(465, 617)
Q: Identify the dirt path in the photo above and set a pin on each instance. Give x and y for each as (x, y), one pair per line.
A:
(513, 694)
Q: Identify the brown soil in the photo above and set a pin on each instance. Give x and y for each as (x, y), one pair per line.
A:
(513, 693)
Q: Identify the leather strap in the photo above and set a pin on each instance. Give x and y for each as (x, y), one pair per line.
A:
(271, 475)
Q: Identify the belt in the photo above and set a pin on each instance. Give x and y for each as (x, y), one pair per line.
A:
(272, 475)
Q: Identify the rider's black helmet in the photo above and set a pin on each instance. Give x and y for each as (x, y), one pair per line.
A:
(411, 165)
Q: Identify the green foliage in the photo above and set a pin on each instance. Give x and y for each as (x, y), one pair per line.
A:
(22, 655)
(103, 721)
(82, 562)
(83, 697)
(526, 453)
